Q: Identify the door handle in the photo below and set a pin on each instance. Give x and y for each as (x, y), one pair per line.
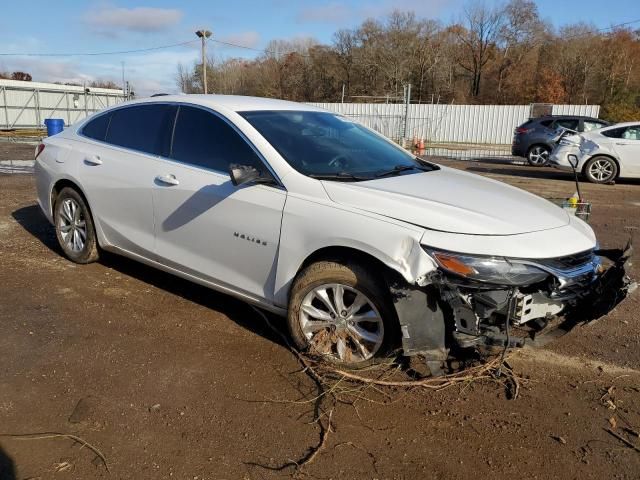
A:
(93, 160)
(622, 143)
(168, 179)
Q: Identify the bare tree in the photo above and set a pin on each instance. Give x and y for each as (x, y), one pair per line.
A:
(345, 43)
(509, 48)
(478, 36)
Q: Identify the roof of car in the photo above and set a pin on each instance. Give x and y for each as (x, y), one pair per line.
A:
(623, 124)
(236, 103)
(555, 117)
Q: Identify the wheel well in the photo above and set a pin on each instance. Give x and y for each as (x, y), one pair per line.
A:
(615, 160)
(59, 185)
(348, 254)
(532, 146)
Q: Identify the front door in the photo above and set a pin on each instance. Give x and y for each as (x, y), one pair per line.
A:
(207, 227)
(628, 149)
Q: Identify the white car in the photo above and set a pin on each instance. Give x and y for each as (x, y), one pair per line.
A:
(305, 213)
(604, 154)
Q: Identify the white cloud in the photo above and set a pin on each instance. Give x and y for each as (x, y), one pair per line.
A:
(330, 13)
(149, 73)
(109, 20)
(46, 70)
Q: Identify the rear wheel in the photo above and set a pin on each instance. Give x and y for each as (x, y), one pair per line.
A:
(341, 312)
(601, 169)
(538, 155)
(74, 227)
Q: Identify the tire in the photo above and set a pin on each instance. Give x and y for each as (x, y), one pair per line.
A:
(538, 155)
(601, 169)
(74, 227)
(351, 338)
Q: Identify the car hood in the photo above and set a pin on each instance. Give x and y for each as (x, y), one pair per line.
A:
(453, 201)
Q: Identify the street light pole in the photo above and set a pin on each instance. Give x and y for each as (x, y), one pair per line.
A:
(204, 34)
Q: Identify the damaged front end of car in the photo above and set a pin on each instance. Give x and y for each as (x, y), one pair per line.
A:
(479, 302)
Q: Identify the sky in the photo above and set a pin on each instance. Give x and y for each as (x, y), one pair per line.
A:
(69, 26)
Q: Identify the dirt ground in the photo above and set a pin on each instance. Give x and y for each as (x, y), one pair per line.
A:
(170, 380)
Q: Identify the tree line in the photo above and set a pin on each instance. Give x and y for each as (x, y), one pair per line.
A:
(492, 55)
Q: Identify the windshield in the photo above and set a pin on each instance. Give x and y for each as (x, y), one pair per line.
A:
(325, 145)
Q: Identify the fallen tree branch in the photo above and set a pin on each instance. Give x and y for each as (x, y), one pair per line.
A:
(323, 440)
(323, 393)
(622, 439)
(49, 435)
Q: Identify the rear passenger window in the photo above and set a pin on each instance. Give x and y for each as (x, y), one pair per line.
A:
(97, 128)
(146, 128)
(590, 125)
(571, 124)
(205, 140)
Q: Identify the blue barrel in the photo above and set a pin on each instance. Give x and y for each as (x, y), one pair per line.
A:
(54, 125)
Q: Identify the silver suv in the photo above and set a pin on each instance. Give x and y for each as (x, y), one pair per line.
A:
(535, 138)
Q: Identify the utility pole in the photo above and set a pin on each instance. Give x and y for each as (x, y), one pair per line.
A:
(407, 102)
(204, 34)
(123, 82)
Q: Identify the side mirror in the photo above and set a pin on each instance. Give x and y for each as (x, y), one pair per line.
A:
(241, 174)
(573, 160)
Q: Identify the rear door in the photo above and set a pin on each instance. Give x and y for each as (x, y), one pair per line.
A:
(117, 171)
(207, 227)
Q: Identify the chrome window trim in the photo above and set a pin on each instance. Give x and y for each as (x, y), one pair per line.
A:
(80, 133)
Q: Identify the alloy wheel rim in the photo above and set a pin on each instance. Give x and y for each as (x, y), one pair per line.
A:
(601, 170)
(538, 155)
(342, 323)
(72, 225)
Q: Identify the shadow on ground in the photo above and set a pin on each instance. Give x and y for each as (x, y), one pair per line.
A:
(34, 222)
(7, 467)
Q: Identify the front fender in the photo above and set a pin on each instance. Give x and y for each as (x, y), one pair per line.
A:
(308, 226)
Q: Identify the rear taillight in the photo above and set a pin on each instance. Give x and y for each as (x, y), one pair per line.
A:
(39, 149)
(522, 130)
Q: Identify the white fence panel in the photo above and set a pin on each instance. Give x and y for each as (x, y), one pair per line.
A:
(28, 104)
(487, 124)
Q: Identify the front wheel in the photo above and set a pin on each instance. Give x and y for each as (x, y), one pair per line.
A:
(74, 227)
(601, 170)
(538, 155)
(341, 312)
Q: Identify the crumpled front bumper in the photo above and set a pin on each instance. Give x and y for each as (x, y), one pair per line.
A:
(451, 313)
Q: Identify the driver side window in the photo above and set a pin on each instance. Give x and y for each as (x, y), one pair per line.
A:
(205, 140)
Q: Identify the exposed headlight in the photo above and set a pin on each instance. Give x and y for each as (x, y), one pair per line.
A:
(494, 270)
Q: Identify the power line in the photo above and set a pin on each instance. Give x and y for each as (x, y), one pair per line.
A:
(95, 54)
(270, 52)
(598, 30)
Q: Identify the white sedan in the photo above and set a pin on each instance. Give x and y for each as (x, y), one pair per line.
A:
(302, 212)
(604, 154)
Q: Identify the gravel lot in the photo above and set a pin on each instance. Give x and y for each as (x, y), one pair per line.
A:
(171, 380)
